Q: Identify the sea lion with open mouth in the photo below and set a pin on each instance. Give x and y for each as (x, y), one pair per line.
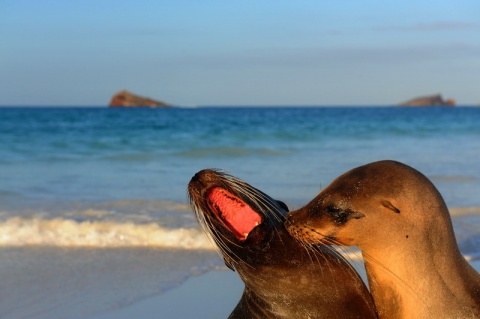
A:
(399, 220)
(282, 278)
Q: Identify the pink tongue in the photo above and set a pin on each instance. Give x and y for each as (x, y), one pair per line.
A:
(235, 213)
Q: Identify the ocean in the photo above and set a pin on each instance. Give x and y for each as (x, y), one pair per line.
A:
(93, 205)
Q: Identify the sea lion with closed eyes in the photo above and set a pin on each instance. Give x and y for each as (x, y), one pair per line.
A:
(401, 223)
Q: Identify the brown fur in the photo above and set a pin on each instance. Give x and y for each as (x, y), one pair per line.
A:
(282, 278)
(399, 220)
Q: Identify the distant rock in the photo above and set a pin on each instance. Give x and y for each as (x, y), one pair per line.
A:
(432, 100)
(127, 99)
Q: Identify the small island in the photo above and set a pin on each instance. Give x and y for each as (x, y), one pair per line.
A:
(126, 99)
(431, 100)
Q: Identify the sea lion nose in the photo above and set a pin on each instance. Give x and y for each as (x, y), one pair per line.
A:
(292, 217)
(198, 179)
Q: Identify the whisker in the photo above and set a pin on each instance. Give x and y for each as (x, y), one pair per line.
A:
(262, 202)
(220, 240)
(327, 242)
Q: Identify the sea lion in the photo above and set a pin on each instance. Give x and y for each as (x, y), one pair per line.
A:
(282, 278)
(401, 223)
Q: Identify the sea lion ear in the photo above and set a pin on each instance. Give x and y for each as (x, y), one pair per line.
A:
(356, 215)
(283, 205)
(390, 206)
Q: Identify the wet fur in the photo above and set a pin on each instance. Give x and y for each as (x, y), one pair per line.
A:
(282, 278)
(399, 220)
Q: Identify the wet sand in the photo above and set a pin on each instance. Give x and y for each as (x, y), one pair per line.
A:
(212, 295)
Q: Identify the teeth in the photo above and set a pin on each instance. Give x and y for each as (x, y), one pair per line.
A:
(256, 224)
(246, 235)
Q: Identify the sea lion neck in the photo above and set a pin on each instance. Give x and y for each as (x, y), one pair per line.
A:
(274, 247)
(421, 256)
(402, 284)
(405, 268)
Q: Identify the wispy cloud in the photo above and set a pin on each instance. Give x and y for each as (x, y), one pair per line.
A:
(325, 57)
(431, 27)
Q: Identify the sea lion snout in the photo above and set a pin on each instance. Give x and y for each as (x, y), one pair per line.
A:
(296, 225)
(195, 178)
(197, 181)
(298, 216)
(290, 218)
(202, 177)
(201, 182)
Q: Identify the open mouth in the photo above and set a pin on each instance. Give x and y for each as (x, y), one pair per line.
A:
(235, 214)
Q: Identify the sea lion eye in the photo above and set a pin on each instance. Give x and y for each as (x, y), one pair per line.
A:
(333, 210)
(341, 216)
(338, 215)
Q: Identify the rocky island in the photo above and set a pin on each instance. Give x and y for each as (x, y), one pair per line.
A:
(126, 99)
(431, 100)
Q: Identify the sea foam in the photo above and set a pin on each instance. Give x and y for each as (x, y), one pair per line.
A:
(63, 232)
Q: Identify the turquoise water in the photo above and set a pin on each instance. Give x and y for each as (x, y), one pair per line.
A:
(77, 181)
(113, 154)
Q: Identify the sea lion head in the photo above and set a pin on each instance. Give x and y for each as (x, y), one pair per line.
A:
(237, 216)
(384, 199)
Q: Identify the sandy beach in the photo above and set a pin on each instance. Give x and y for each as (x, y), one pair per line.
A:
(211, 295)
(214, 294)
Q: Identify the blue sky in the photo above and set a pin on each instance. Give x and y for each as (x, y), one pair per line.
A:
(244, 52)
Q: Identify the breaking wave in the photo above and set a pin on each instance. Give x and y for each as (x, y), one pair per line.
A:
(63, 232)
